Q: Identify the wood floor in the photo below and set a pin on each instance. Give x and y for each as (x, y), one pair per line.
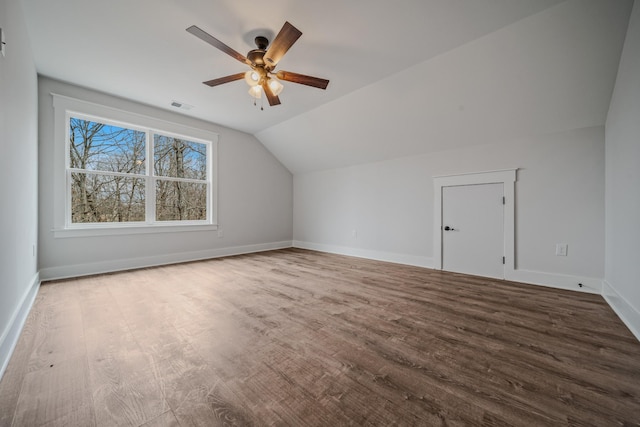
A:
(301, 338)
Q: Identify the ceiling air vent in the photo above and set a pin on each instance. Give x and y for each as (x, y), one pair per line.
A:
(181, 105)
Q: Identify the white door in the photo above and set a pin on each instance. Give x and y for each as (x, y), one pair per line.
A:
(473, 229)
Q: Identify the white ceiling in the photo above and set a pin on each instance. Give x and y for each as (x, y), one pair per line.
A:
(406, 77)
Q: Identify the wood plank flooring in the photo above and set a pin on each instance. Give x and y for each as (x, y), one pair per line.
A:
(302, 338)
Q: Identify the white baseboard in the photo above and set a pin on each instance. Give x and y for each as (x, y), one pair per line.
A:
(559, 281)
(10, 335)
(66, 271)
(629, 315)
(369, 254)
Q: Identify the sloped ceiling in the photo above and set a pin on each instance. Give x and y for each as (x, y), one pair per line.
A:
(406, 77)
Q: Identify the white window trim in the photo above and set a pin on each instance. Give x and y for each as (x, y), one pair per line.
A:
(63, 108)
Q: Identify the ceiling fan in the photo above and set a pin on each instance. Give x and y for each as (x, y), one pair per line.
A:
(263, 61)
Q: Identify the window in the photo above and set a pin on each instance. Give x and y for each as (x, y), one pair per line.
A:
(129, 174)
(110, 179)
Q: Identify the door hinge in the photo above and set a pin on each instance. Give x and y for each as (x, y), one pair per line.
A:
(503, 200)
(503, 260)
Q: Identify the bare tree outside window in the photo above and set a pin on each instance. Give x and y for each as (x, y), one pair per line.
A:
(178, 199)
(109, 176)
(102, 197)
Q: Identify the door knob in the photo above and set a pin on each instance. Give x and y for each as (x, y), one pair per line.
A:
(447, 228)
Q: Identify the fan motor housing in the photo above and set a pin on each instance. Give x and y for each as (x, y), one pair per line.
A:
(256, 56)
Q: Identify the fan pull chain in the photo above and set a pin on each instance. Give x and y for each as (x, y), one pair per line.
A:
(255, 103)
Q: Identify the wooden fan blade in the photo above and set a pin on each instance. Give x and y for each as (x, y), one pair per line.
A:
(283, 41)
(226, 79)
(273, 99)
(206, 37)
(302, 79)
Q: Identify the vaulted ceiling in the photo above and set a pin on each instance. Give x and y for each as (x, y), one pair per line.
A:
(406, 77)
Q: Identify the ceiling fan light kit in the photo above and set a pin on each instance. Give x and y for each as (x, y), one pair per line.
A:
(275, 85)
(255, 91)
(252, 78)
(263, 61)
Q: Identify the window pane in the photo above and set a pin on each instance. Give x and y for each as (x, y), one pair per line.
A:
(106, 198)
(98, 146)
(177, 158)
(180, 201)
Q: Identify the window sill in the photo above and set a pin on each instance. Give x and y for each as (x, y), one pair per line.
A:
(131, 229)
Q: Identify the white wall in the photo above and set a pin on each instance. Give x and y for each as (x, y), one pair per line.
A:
(254, 198)
(622, 265)
(18, 178)
(559, 199)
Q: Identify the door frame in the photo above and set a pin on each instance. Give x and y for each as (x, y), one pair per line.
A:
(507, 177)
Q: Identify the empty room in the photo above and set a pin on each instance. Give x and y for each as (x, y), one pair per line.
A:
(415, 213)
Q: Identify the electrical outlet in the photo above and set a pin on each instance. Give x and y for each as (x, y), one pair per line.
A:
(561, 249)
(354, 234)
(220, 234)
